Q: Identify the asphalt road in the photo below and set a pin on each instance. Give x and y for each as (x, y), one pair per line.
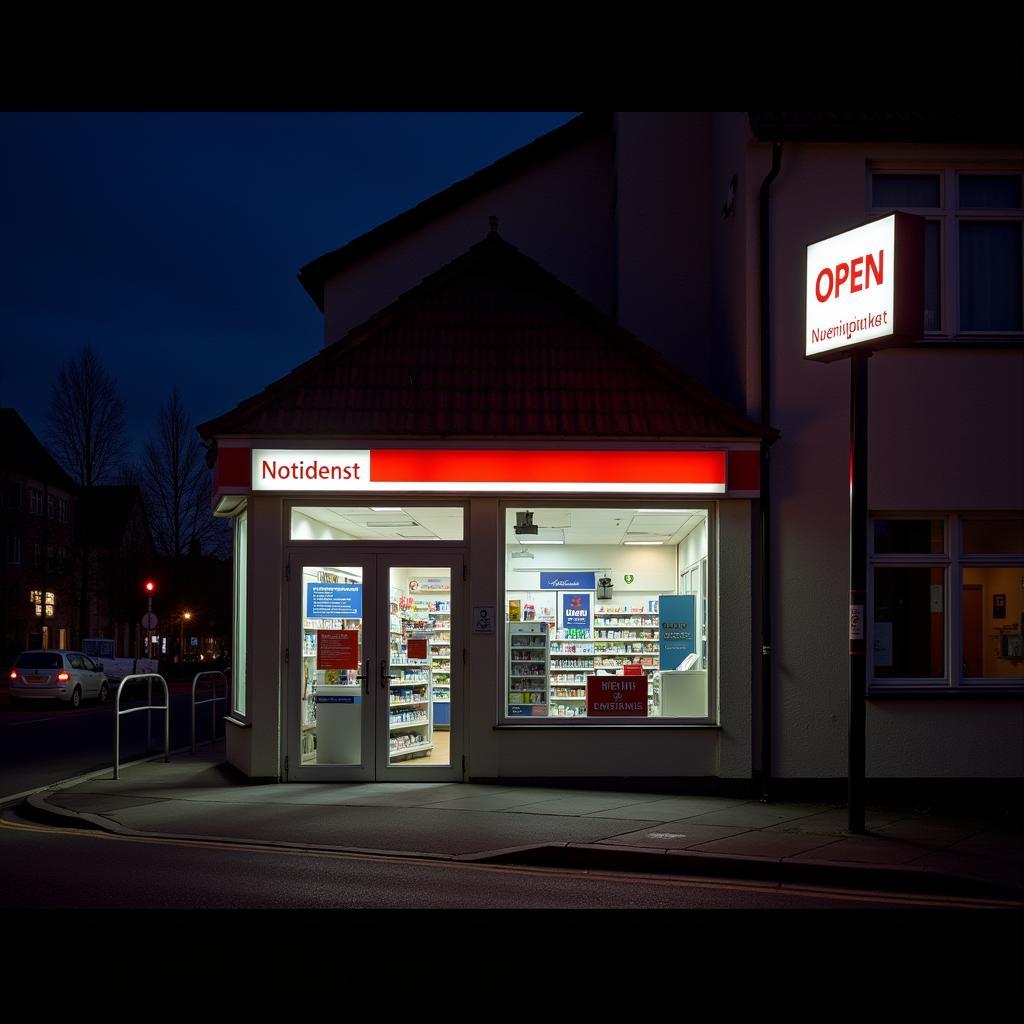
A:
(44, 744)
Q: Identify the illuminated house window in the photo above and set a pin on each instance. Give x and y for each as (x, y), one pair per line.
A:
(947, 600)
(35, 598)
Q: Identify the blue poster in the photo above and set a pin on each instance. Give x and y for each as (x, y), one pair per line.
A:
(575, 611)
(567, 580)
(676, 629)
(334, 600)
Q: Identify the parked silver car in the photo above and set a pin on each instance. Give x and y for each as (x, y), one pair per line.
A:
(68, 676)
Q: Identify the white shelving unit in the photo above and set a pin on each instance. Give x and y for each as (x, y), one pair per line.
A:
(529, 667)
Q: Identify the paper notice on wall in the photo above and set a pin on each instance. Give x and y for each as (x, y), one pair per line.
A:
(883, 645)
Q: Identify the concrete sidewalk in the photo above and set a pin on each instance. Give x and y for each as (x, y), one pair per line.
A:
(970, 852)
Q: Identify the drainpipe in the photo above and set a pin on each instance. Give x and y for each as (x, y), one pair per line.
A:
(765, 367)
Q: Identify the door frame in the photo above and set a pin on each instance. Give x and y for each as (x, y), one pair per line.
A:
(376, 560)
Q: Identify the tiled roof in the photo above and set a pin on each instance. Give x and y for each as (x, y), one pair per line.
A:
(106, 510)
(489, 346)
(22, 452)
(313, 275)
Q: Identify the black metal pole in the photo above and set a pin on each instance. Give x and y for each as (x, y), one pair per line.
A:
(858, 583)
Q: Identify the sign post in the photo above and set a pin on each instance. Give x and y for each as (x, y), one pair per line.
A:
(865, 290)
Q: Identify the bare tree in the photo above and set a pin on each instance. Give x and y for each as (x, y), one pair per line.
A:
(86, 420)
(177, 485)
(87, 434)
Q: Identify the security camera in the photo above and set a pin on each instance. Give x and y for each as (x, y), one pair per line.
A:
(524, 524)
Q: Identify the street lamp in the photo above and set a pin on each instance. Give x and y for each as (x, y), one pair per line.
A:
(185, 617)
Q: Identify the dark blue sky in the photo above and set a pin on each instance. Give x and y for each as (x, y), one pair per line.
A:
(171, 241)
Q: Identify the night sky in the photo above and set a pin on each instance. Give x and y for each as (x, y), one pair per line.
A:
(171, 241)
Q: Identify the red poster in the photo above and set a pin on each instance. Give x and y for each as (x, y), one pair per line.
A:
(417, 648)
(337, 648)
(617, 696)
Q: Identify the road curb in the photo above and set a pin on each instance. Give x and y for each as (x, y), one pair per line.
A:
(598, 857)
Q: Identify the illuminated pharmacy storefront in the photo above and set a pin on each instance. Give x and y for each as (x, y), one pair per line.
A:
(518, 552)
(482, 613)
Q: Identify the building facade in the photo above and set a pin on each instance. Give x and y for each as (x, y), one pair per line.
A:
(619, 366)
(39, 530)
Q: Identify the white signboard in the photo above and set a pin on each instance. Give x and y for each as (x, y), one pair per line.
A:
(865, 285)
(275, 470)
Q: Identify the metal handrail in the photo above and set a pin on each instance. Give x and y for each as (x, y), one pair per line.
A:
(149, 706)
(213, 701)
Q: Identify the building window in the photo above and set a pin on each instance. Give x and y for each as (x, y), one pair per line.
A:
(35, 598)
(11, 494)
(35, 501)
(947, 600)
(974, 240)
(605, 615)
(239, 645)
(13, 549)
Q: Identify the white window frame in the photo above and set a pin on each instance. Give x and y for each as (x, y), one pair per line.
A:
(240, 617)
(713, 720)
(949, 217)
(952, 560)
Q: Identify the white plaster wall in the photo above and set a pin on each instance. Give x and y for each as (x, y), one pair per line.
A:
(558, 213)
(654, 568)
(937, 420)
(664, 221)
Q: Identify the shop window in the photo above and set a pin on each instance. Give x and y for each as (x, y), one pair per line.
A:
(239, 644)
(947, 600)
(973, 245)
(606, 616)
(388, 523)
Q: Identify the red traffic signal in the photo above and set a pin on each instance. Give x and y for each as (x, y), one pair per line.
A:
(150, 586)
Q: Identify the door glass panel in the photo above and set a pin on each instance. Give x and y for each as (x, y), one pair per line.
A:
(419, 656)
(331, 699)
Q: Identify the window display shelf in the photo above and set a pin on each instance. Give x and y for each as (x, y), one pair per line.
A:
(414, 724)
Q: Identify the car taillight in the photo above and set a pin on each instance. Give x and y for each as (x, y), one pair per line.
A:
(63, 676)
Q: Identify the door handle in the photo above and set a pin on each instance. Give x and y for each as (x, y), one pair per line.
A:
(384, 677)
(365, 677)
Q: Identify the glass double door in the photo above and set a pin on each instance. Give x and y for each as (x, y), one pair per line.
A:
(373, 693)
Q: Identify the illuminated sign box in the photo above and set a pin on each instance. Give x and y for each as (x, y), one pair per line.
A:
(865, 288)
(489, 470)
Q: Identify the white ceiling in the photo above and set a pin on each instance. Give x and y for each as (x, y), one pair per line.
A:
(604, 525)
(365, 524)
(570, 525)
